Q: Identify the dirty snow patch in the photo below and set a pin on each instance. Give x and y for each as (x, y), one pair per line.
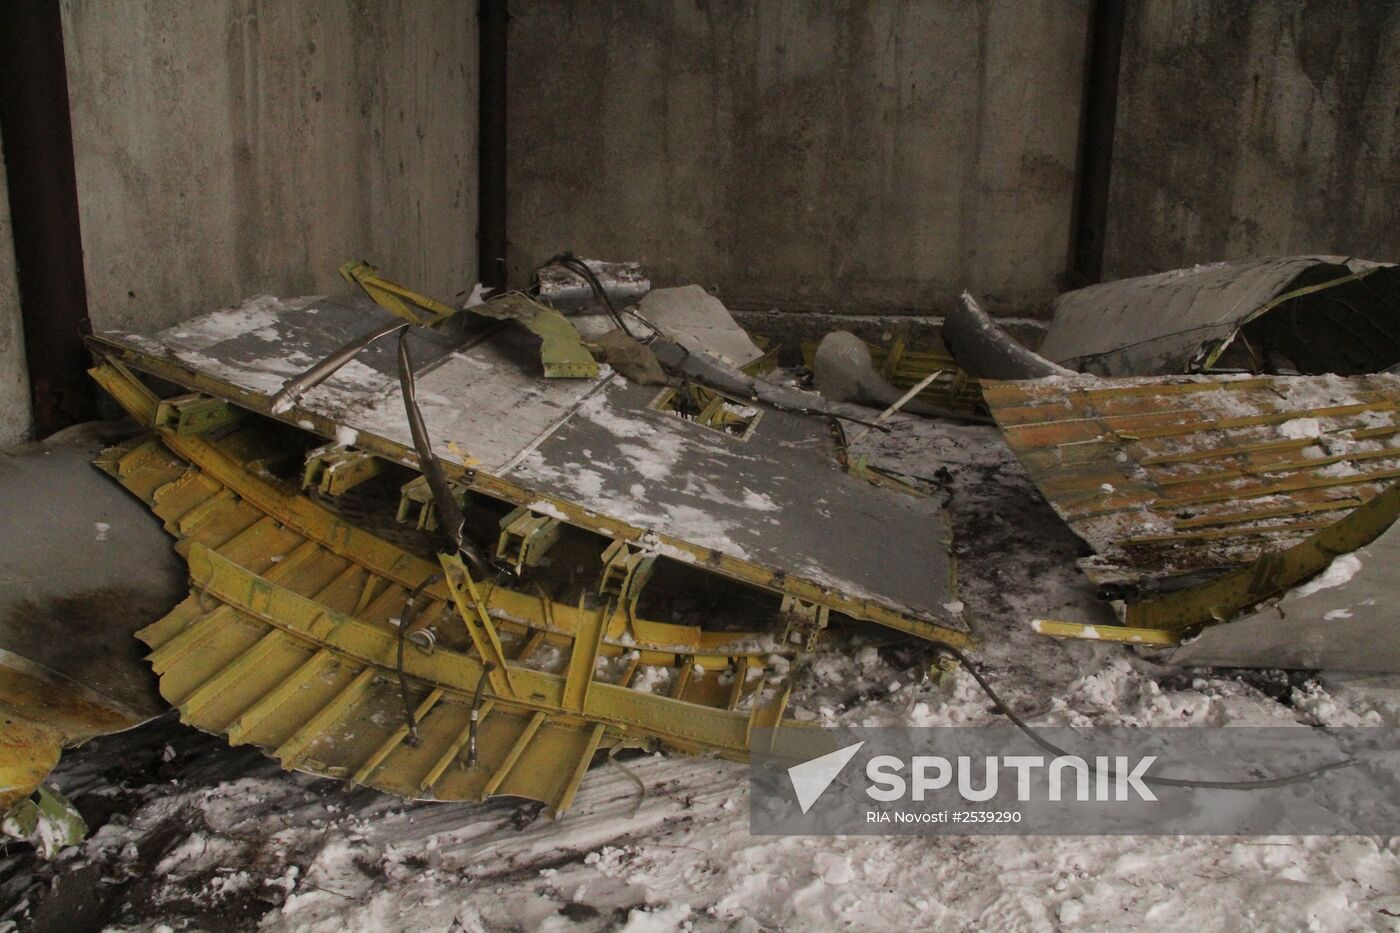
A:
(1300, 428)
(1338, 573)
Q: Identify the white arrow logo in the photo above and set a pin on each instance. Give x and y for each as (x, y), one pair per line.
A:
(811, 778)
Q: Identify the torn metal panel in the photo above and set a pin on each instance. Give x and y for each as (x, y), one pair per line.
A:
(395, 298)
(1342, 620)
(1204, 495)
(560, 287)
(562, 351)
(253, 348)
(44, 712)
(696, 320)
(48, 821)
(982, 348)
(774, 509)
(86, 570)
(775, 496)
(1307, 314)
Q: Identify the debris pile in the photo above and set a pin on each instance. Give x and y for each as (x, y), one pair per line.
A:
(555, 527)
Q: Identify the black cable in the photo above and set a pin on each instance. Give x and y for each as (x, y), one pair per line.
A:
(632, 775)
(449, 514)
(476, 712)
(1054, 749)
(406, 618)
(580, 268)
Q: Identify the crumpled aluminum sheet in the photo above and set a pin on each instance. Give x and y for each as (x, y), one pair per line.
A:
(1175, 322)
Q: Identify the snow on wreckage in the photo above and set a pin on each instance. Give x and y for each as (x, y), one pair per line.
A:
(1208, 497)
(435, 570)
(476, 561)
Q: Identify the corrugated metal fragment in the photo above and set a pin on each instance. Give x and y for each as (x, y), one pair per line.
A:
(1176, 481)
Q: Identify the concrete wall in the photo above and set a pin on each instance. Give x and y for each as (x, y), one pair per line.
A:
(234, 147)
(1254, 129)
(15, 420)
(876, 156)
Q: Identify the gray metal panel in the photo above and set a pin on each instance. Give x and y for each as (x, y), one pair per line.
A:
(86, 565)
(1156, 324)
(696, 320)
(777, 497)
(1350, 626)
(484, 404)
(986, 351)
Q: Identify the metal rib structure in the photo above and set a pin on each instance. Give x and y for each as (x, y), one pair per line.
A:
(288, 642)
(1202, 496)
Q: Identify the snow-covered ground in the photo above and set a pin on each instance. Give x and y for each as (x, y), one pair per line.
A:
(192, 834)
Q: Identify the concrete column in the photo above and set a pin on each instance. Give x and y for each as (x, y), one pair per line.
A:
(15, 420)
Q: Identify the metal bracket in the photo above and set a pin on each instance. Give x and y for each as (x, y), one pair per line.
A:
(525, 537)
(395, 298)
(478, 622)
(336, 470)
(416, 503)
(195, 414)
(805, 622)
(625, 572)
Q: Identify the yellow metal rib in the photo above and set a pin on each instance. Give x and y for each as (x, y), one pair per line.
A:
(176, 649)
(246, 723)
(1250, 421)
(583, 659)
(566, 798)
(683, 678)
(288, 615)
(1259, 492)
(1119, 633)
(516, 750)
(736, 690)
(1279, 466)
(396, 739)
(528, 647)
(190, 522)
(243, 665)
(454, 749)
(291, 751)
(1287, 511)
(479, 625)
(298, 514)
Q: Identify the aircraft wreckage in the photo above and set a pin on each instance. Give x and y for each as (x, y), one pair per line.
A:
(460, 553)
(426, 568)
(1264, 475)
